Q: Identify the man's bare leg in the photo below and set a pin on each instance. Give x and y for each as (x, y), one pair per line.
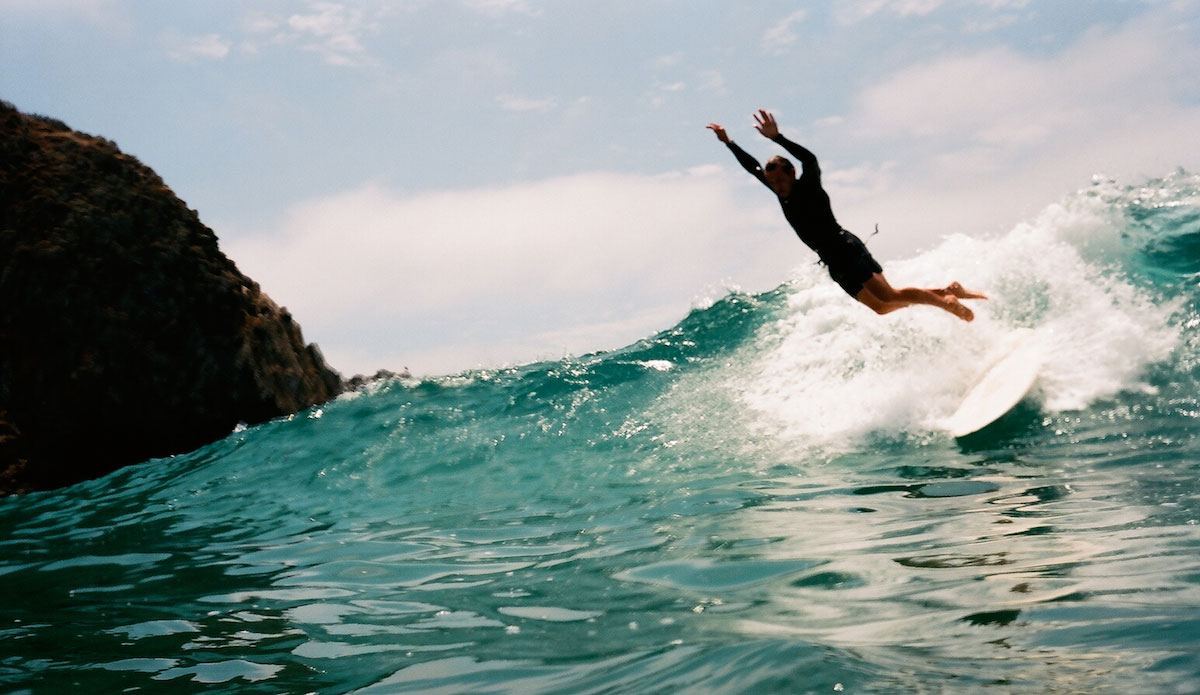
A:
(882, 298)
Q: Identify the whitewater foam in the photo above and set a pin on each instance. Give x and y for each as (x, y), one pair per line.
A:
(831, 371)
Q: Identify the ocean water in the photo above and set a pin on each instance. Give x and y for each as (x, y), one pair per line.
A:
(761, 499)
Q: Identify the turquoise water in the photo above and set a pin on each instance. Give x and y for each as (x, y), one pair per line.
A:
(762, 499)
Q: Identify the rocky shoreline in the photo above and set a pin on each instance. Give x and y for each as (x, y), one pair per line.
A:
(126, 334)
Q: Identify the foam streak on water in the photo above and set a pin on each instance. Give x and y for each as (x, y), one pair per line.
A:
(762, 499)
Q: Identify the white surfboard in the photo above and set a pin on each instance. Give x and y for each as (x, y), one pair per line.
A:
(1001, 387)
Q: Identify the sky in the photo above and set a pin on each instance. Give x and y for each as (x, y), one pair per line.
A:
(455, 184)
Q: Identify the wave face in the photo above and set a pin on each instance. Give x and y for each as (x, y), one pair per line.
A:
(761, 499)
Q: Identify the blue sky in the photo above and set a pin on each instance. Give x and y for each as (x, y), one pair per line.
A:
(445, 184)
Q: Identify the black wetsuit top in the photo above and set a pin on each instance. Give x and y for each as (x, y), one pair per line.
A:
(809, 212)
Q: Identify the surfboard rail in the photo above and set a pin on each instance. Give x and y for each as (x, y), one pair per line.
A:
(1001, 387)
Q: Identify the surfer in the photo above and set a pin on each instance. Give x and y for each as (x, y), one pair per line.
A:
(806, 206)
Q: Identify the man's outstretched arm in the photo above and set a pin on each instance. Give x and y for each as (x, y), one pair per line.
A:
(748, 163)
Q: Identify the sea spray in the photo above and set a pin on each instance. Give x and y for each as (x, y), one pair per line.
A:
(831, 371)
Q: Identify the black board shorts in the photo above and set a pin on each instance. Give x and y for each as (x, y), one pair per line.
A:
(849, 262)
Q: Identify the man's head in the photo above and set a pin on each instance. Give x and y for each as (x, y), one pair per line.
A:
(780, 174)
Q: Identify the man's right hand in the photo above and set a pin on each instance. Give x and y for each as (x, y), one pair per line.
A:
(720, 131)
(766, 124)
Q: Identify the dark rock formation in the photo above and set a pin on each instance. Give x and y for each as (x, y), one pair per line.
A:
(125, 333)
(359, 382)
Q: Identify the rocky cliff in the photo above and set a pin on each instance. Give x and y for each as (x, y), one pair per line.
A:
(125, 333)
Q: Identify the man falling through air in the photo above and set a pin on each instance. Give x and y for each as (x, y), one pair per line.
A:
(806, 207)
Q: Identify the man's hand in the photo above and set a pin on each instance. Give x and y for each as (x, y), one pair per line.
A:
(720, 131)
(766, 124)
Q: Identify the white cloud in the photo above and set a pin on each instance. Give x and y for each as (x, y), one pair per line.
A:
(670, 60)
(509, 102)
(478, 68)
(88, 8)
(860, 181)
(333, 30)
(330, 29)
(980, 141)
(780, 36)
(988, 24)
(1004, 4)
(260, 23)
(539, 264)
(991, 95)
(1000, 107)
(712, 81)
(553, 344)
(851, 11)
(110, 16)
(207, 47)
(497, 8)
(659, 97)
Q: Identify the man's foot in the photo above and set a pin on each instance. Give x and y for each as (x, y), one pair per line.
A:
(955, 289)
(954, 307)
